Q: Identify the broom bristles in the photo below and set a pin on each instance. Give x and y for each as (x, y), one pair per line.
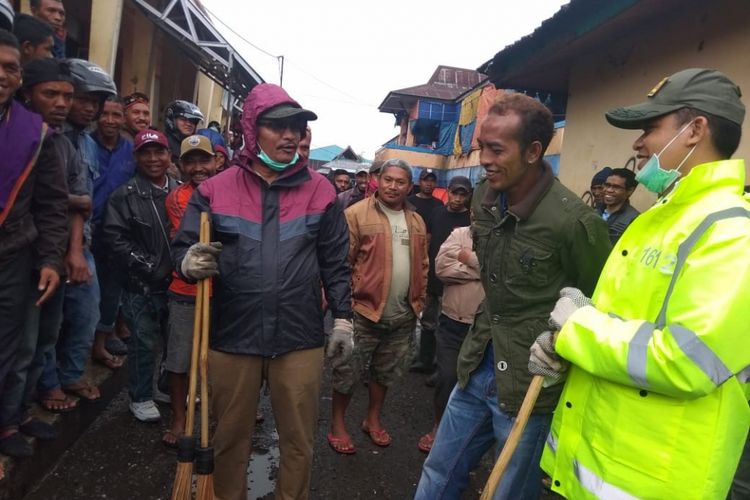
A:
(205, 489)
(183, 481)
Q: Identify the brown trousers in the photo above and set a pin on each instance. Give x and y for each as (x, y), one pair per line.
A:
(294, 380)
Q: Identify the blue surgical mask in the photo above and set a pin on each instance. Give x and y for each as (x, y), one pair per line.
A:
(273, 164)
(656, 179)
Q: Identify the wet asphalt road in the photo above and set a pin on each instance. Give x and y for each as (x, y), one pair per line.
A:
(121, 458)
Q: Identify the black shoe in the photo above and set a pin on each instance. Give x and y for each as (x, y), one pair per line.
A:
(16, 446)
(431, 380)
(38, 429)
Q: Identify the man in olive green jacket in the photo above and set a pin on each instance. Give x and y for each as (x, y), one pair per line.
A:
(533, 237)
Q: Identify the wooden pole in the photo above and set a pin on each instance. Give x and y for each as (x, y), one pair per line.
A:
(514, 437)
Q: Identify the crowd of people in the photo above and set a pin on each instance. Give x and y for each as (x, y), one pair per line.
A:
(640, 315)
(90, 196)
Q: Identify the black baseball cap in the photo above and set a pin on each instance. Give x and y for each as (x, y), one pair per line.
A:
(427, 172)
(459, 182)
(283, 111)
(706, 90)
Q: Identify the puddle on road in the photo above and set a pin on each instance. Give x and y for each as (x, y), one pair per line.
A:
(264, 466)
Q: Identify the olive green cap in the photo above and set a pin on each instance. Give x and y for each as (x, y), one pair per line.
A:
(706, 90)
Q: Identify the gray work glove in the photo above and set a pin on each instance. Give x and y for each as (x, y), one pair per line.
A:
(571, 299)
(543, 360)
(200, 261)
(341, 342)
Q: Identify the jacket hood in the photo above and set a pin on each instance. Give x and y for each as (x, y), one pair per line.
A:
(260, 99)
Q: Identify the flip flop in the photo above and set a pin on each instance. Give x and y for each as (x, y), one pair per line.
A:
(85, 391)
(65, 404)
(379, 437)
(115, 346)
(342, 445)
(425, 442)
(112, 362)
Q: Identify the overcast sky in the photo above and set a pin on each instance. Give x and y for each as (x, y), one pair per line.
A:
(342, 59)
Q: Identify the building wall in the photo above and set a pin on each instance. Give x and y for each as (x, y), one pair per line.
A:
(414, 158)
(137, 52)
(702, 34)
(209, 96)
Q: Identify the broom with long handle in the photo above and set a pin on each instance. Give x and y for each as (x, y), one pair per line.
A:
(514, 437)
(204, 457)
(186, 447)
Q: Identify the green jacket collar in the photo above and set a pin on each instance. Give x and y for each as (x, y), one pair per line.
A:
(524, 209)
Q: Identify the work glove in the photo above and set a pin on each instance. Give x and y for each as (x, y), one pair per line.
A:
(341, 342)
(543, 360)
(200, 261)
(571, 299)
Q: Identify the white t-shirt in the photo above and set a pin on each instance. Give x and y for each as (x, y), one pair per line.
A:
(397, 303)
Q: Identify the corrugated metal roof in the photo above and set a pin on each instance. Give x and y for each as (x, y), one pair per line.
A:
(348, 165)
(326, 153)
(447, 83)
(542, 59)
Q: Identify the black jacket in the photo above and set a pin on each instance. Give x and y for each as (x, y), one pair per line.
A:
(38, 219)
(135, 235)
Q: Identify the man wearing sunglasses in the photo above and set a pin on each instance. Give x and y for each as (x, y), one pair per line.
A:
(618, 212)
(277, 234)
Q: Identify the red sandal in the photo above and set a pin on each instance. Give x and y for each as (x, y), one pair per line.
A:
(341, 445)
(379, 437)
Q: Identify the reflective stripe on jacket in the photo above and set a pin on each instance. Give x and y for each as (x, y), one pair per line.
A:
(656, 404)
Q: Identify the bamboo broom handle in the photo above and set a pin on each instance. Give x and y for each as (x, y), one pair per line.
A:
(514, 437)
(205, 316)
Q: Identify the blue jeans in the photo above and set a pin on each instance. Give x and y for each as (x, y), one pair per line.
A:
(147, 320)
(473, 422)
(48, 379)
(41, 330)
(81, 314)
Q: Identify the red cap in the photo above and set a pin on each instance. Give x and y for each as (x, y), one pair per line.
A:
(148, 136)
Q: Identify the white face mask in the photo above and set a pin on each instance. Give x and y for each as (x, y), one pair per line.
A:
(656, 179)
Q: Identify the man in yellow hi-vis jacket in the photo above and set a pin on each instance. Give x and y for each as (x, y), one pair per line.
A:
(656, 399)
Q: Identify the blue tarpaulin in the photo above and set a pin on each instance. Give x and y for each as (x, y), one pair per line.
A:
(447, 138)
(467, 132)
(442, 111)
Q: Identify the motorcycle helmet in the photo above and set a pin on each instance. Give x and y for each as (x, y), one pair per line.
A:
(91, 79)
(181, 109)
(6, 15)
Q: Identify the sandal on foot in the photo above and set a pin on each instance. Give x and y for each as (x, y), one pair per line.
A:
(14, 445)
(54, 404)
(43, 431)
(341, 445)
(115, 346)
(425, 442)
(111, 362)
(170, 439)
(85, 391)
(379, 437)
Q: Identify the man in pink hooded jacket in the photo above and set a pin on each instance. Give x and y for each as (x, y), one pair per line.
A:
(277, 233)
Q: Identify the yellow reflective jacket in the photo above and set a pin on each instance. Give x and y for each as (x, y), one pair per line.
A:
(656, 403)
